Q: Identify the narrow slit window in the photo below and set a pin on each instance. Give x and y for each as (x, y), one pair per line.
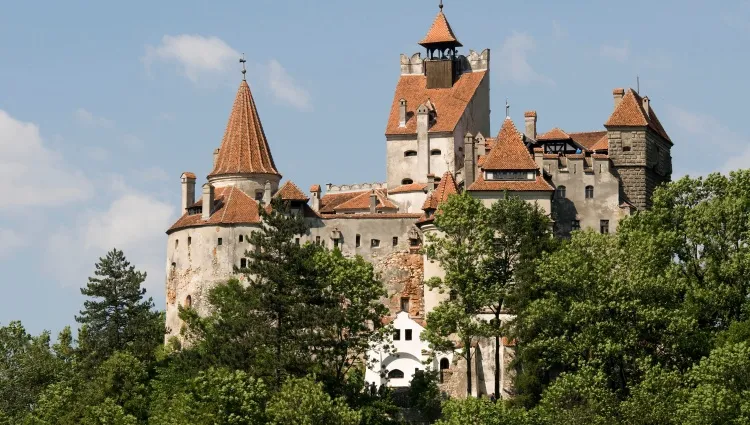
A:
(242, 238)
(190, 240)
(219, 242)
(176, 243)
(395, 240)
(243, 263)
(359, 241)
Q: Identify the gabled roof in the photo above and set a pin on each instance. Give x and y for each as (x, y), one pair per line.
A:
(631, 113)
(231, 206)
(445, 188)
(404, 188)
(450, 103)
(440, 33)
(290, 192)
(362, 202)
(554, 134)
(330, 201)
(509, 152)
(587, 139)
(601, 144)
(244, 148)
(537, 185)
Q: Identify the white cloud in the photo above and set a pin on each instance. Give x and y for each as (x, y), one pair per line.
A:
(285, 89)
(194, 55)
(514, 60)
(712, 144)
(133, 222)
(88, 119)
(10, 240)
(616, 53)
(32, 174)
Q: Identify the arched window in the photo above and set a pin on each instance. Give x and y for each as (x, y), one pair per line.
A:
(435, 152)
(407, 181)
(589, 192)
(410, 153)
(395, 374)
(444, 364)
(188, 301)
(561, 192)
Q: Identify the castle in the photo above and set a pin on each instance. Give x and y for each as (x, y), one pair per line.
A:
(437, 143)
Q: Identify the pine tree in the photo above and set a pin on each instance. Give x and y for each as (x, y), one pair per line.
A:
(117, 317)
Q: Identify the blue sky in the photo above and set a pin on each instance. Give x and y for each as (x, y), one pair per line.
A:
(104, 104)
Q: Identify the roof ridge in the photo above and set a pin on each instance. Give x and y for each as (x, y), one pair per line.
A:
(509, 152)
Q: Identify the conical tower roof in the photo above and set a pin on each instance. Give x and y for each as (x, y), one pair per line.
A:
(440, 33)
(244, 149)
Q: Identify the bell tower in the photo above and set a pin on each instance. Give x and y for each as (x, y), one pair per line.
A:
(442, 66)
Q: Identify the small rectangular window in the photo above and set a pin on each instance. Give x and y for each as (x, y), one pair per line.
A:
(259, 195)
(575, 225)
(335, 243)
(604, 226)
(395, 241)
(242, 238)
(375, 243)
(243, 263)
(405, 304)
(317, 240)
(190, 240)
(397, 335)
(359, 241)
(414, 242)
(219, 242)
(407, 334)
(296, 240)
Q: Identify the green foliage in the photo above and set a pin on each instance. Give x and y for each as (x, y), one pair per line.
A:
(424, 394)
(107, 413)
(481, 411)
(116, 317)
(303, 401)
(580, 398)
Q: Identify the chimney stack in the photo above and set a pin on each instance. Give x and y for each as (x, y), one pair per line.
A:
(430, 182)
(208, 201)
(373, 202)
(530, 118)
(423, 140)
(618, 94)
(188, 190)
(402, 113)
(646, 105)
(315, 196)
(216, 156)
(267, 193)
(469, 158)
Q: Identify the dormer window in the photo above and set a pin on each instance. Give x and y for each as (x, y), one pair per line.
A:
(410, 153)
(510, 175)
(407, 181)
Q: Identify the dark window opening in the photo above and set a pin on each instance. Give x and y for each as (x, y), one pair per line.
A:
(174, 266)
(359, 241)
(437, 179)
(188, 301)
(414, 242)
(220, 242)
(407, 334)
(453, 295)
(575, 225)
(395, 374)
(508, 175)
(435, 152)
(410, 153)
(258, 195)
(375, 243)
(444, 365)
(589, 192)
(296, 240)
(397, 335)
(604, 226)
(243, 263)
(561, 192)
(242, 238)
(407, 181)
(190, 240)
(405, 304)
(176, 243)
(317, 240)
(395, 240)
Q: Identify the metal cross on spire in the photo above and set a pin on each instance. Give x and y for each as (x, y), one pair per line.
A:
(244, 71)
(441, 4)
(507, 108)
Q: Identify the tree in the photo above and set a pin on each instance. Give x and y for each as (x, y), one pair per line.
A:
(481, 411)
(302, 401)
(463, 242)
(579, 398)
(424, 394)
(521, 236)
(117, 317)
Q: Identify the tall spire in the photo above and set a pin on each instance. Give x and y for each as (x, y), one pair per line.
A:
(244, 71)
(244, 149)
(440, 34)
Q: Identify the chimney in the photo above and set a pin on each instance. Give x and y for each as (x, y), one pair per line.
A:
(430, 182)
(423, 141)
(530, 117)
(480, 145)
(402, 113)
(315, 196)
(646, 105)
(373, 202)
(267, 193)
(216, 156)
(469, 158)
(618, 94)
(208, 201)
(188, 190)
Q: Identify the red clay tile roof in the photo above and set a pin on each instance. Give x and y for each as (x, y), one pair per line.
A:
(601, 145)
(509, 153)
(290, 192)
(376, 215)
(414, 187)
(587, 139)
(362, 202)
(330, 201)
(232, 206)
(538, 185)
(188, 175)
(315, 188)
(441, 193)
(630, 113)
(244, 148)
(554, 134)
(440, 33)
(450, 104)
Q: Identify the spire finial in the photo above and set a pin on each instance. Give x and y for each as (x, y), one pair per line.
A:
(507, 108)
(441, 5)
(244, 71)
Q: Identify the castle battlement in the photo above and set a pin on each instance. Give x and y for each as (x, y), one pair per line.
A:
(356, 187)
